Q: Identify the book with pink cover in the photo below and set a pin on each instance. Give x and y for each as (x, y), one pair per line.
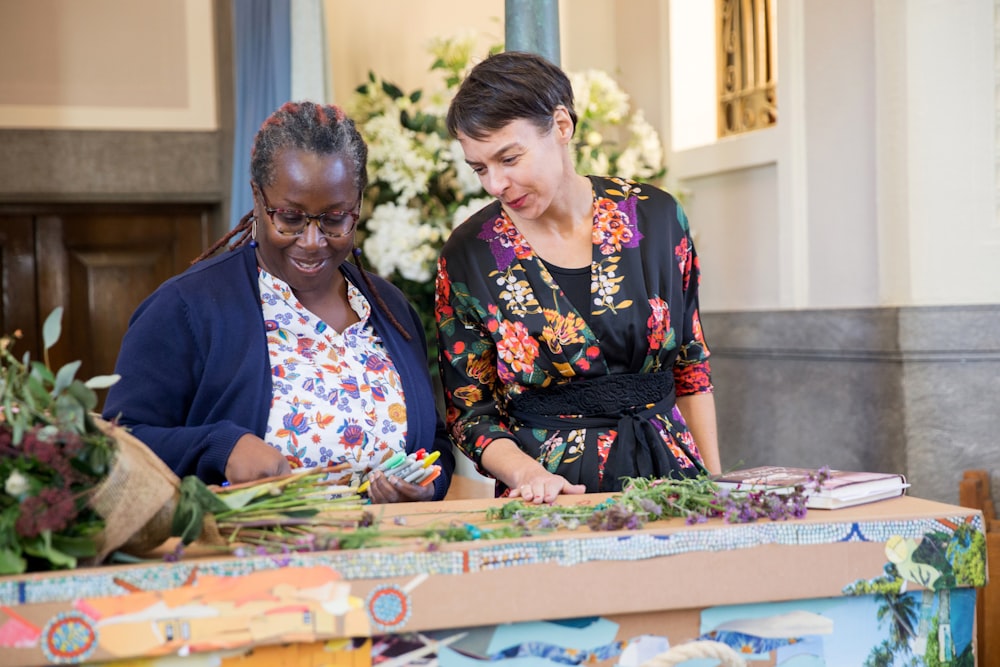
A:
(842, 489)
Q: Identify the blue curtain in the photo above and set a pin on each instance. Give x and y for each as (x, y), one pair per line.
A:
(263, 82)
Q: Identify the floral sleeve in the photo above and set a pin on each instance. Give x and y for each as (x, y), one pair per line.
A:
(468, 368)
(692, 373)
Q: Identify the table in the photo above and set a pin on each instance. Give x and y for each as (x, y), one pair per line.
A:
(897, 575)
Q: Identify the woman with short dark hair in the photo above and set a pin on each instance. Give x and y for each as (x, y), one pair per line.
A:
(571, 346)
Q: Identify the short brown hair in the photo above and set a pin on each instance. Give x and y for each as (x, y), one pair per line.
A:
(507, 86)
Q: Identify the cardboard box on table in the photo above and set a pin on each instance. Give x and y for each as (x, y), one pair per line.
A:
(771, 590)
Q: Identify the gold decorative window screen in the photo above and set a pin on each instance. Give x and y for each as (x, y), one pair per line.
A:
(747, 74)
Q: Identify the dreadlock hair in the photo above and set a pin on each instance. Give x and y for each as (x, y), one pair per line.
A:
(318, 129)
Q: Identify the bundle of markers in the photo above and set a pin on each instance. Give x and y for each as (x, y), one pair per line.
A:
(416, 468)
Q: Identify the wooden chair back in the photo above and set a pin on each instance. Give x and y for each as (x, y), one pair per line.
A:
(974, 492)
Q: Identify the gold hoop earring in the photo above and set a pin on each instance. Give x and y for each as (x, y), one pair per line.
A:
(253, 233)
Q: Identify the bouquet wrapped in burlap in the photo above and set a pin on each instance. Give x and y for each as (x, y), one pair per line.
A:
(136, 499)
(73, 488)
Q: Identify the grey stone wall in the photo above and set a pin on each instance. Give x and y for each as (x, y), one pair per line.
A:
(908, 390)
(119, 166)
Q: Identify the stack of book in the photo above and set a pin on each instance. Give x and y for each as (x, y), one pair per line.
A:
(841, 489)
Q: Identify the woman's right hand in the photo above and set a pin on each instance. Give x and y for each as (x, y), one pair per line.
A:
(526, 477)
(542, 486)
(253, 459)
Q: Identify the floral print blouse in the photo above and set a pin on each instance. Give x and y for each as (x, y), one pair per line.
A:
(505, 326)
(337, 396)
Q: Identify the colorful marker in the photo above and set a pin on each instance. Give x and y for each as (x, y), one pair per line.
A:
(435, 472)
(416, 475)
(393, 461)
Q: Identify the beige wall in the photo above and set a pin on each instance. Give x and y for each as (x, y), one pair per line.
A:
(390, 37)
(107, 64)
(623, 38)
(880, 178)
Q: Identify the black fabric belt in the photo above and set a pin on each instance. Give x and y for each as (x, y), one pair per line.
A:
(625, 402)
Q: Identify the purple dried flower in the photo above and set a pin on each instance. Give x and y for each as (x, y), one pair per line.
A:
(614, 517)
(650, 507)
(176, 554)
(798, 508)
(306, 540)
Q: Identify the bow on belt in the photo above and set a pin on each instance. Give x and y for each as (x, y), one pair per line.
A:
(624, 402)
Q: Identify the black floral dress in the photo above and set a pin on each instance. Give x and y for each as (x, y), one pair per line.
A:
(506, 330)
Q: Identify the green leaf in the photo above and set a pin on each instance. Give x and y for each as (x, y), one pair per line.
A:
(83, 395)
(195, 502)
(42, 373)
(439, 64)
(42, 547)
(36, 396)
(240, 498)
(391, 90)
(415, 96)
(11, 562)
(98, 459)
(78, 547)
(65, 376)
(69, 412)
(52, 328)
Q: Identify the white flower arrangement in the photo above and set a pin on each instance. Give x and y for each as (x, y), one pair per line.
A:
(420, 186)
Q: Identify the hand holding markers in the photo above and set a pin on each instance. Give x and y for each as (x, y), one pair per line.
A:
(402, 478)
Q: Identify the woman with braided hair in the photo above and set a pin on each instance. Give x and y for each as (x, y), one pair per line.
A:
(280, 353)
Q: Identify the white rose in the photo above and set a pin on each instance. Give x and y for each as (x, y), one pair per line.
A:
(399, 240)
(16, 484)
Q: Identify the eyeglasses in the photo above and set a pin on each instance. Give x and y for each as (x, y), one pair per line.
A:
(293, 222)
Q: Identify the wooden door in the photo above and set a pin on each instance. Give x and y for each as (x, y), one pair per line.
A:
(17, 280)
(98, 263)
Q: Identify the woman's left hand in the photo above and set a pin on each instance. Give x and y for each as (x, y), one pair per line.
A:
(392, 489)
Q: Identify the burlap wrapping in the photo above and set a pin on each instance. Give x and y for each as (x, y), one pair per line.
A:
(137, 499)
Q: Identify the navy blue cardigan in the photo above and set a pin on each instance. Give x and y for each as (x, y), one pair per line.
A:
(195, 374)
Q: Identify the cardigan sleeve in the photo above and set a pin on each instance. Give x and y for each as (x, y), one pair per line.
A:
(162, 364)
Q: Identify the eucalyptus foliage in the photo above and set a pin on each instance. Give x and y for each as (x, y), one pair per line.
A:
(52, 455)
